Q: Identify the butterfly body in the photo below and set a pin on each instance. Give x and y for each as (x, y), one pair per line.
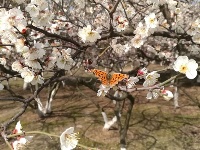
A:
(108, 79)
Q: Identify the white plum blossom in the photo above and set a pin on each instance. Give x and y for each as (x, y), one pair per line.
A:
(20, 47)
(33, 63)
(164, 24)
(101, 19)
(103, 90)
(121, 26)
(39, 46)
(50, 62)
(88, 35)
(66, 53)
(119, 48)
(151, 20)
(37, 79)
(16, 13)
(31, 54)
(68, 139)
(137, 41)
(35, 52)
(172, 3)
(141, 30)
(186, 66)
(21, 140)
(64, 60)
(56, 53)
(165, 54)
(151, 79)
(120, 19)
(196, 23)
(6, 51)
(131, 82)
(4, 20)
(130, 11)
(43, 19)
(17, 66)
(3, 61)
(167, 95)
(9, 35)
(42, 4)
(121, 23)
(55, 28)
(18, 128)
(62, 64)
(194, 28)
(33, 10)
(40, 52)
(16, 18)
(27, 74)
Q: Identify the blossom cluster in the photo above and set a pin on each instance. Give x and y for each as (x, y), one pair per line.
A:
(143, 30)
(29, 56)
(88, 35)
(182, 65)
(21, 140)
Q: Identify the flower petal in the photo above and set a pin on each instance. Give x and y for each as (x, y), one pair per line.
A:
(181, 60)
(192, 65)
(191, 74)
(68, 139)
(149, 95)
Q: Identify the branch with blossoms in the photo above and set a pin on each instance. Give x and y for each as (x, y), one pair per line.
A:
(68, 139)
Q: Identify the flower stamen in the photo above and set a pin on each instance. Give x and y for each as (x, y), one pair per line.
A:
(183, 69)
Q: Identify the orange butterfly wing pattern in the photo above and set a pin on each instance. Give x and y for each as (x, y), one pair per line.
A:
(117, 77)
(103, 77)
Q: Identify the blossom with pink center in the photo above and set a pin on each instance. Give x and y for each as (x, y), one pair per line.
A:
(21, 140)
(167, 95)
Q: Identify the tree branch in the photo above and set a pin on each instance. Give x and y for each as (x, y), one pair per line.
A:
(67, 39)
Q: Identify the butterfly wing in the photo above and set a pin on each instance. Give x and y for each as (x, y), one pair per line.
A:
(101, 75)
(117, 77)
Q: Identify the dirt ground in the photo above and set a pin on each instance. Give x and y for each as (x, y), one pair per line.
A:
(154, 125)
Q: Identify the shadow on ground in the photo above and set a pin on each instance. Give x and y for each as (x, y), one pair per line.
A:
(155, 125)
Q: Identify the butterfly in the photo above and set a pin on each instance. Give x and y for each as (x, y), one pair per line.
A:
(107, 79)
